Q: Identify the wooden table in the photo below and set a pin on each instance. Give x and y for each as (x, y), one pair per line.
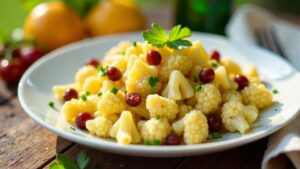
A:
(26, 145)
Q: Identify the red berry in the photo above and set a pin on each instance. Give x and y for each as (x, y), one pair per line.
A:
(153, 57)
(173, 140)
(113, 73)
(133, 99)
(93, 62)
(242, 81)
(214, 122)
(29, 54)
(70, 94)
(215, 55)
(11, 71)
(207, 75)
(81, 119)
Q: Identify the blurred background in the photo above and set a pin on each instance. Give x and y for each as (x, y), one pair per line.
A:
(31, 28)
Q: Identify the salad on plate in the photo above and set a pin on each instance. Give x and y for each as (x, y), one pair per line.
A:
(166, 90)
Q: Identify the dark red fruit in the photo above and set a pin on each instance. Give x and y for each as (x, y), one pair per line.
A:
(215, 55)
(207, 75)
(172, 139)
(93, 62)
(11, 71)
(113, 73)
(81, 119)
(153, 57)
(28, 54)
(70, 94)
(133, 99)
(242, 81)
(214, 122)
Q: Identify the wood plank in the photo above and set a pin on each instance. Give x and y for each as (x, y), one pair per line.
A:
(6, 92)
(23, 143)
(245, 157)
(104, 160)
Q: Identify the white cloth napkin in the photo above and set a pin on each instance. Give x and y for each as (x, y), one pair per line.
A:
(284, 145)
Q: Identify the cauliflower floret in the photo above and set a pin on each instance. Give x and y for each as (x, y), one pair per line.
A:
(194, 72)
(208, 98)
(222, 79)
(231, 66)
(138, 80)
(161, 106)
(154, 130)
(124, 130)
(111, 117)
(198, 54)
(119, 49)
(84, 73)
(99, 126)
(93, 84)
(72, 108)
(231, 95)
(59, 90)
(140, 109)
(237, 117)
(178, 87)
(252, 74)
(257, 95)
(182, 63)
(183, 110)
(110, 103)
(193, 126)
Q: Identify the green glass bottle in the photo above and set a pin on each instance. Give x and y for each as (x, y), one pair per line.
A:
(203, 15)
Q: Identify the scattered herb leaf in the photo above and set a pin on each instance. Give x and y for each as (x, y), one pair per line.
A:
(72, 128)
(157, 36)
(275, 91)
(66, 161)
(99, 94)
(114, 90)
(214, 65)
(216, 135)
(52, 104)
(82, 160)
(198, 87)
(195, 79)
(102, 70)
(157, 117)
(56, 165)
(153, 81)
(134, 43)
(83, 97)
(156, 142)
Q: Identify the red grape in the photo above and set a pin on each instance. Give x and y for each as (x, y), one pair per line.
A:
(215, 55)
(81, 119)
(70, 94)
(153, 57)
(29, 54)
(207, 75)
(172, 139)
(113, 73)
(133, 99)
(11, 70)
(242, 81)
(214, 122)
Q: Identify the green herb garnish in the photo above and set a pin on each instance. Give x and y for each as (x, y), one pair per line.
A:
(153, 81)
(147, 142)
(72, 128)
(216, 135)
(195, 79)
(114, 90)
(84, 97)
(134, 43)
(99, 94)
(157, 36)
(65, 162)
(198, 87)
(214, 65)
(156, 142)
(102, 70)
(52, 104)
(87, 93)
(275, 91)
(157, 117)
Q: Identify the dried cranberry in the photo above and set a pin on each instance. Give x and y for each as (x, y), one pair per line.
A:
(93, 62)
(207, 75)
(215, 55)
(133, 99)
(172, 139)
(214, 122)
(242, 81)
(81, 119)
(153, 57)
(70, 94)
(113, 73)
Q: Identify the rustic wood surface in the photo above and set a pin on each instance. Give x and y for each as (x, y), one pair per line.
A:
(26, 145)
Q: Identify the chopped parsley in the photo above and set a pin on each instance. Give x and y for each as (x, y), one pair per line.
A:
(153, 81)
(72, 128)
(114, 90)
(156, 142)
(214, 65)
(157, 36)
(216, 135)
(134, 43)
(52, 104)
(275, 91)
(99, 94)
(87, 93)
(198, 87)
(102, 70)
(84, 97)
(157, 117)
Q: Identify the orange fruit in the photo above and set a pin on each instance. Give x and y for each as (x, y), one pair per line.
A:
(53, 24)
(113, 16)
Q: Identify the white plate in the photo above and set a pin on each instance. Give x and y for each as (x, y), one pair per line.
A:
(59, 67)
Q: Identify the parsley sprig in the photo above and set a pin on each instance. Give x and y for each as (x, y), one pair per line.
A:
(65, 162)
(157, 36)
